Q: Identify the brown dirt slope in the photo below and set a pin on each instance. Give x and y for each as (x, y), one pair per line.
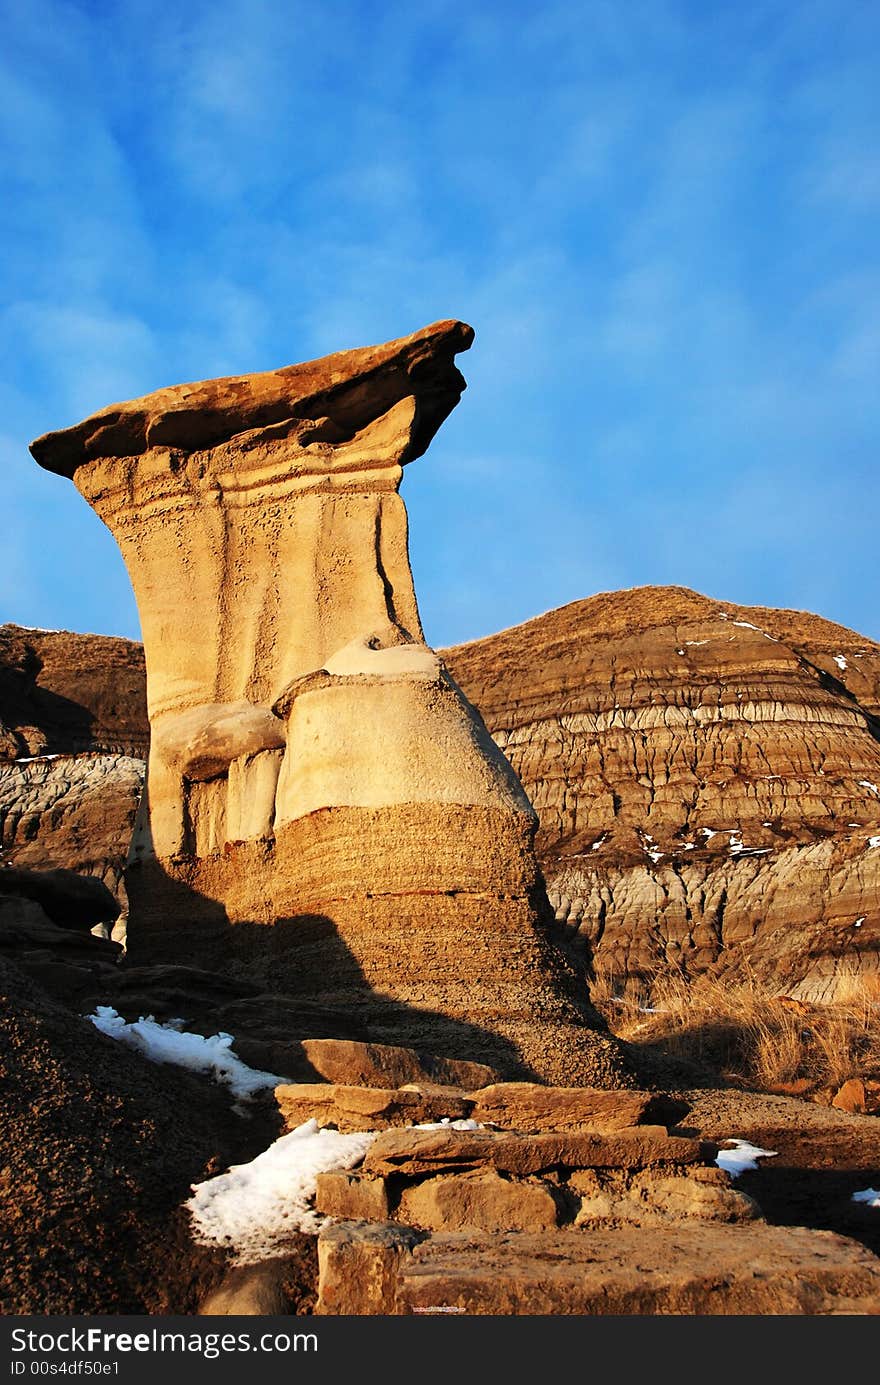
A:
(100, 1147)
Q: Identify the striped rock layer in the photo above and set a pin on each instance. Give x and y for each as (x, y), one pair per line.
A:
(707, 778)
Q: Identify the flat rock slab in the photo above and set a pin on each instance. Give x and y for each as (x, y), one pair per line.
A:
(705, 1270)
(528, 1106)
(389, 1065)
(415, 1152)
(366, 1108)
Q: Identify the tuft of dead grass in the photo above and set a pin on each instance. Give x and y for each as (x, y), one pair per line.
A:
(747, 1031)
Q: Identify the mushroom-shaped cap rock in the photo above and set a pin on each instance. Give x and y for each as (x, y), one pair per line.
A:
(342, 393)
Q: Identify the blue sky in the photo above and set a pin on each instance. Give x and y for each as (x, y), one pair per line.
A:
(661, 218)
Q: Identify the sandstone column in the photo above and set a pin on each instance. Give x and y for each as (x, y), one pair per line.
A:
(322, 802)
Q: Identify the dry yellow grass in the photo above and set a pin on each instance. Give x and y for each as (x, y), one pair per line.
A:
(747, 1030)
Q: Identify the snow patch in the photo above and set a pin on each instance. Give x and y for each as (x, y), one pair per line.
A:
(869, 1195)
(649, 846)
(165, 1043)
(448, 1124)
(33, 759)
(840, 661)
(747, 625)
(872, 841)
(254, 1207)
(859, 921)
(741, 1157)
(866, 784)
(695, 642)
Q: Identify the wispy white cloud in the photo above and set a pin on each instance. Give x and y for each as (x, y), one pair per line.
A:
(660, 218)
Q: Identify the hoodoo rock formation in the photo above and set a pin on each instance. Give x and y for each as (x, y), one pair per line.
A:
(707, 778)
(321, 798)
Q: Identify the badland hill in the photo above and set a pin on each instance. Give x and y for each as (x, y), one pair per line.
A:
(707, 776)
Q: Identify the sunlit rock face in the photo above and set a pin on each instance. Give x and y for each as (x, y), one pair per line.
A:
(708, 782)
(313, 766)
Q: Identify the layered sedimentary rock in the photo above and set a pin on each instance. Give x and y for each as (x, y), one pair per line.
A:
(313, 767)
(73, 812)
(68, 694)
(73, 738)
(707, 778)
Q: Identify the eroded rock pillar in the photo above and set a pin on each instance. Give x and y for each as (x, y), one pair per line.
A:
(322, 802)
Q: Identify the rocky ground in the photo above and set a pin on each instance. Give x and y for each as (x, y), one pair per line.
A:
(101, 1148)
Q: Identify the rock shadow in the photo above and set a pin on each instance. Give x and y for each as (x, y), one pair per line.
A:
(301, 966)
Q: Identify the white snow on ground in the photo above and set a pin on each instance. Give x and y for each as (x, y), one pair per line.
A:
(743, 1156)
(33, 759)
(447, 1124)
(696, 642)
(866, 784)
(840, 662)
(737, 847)
(254, 1207)
(164, 1043)
(649, 846)
(600, 841)
(859, 921)
(869, 1195)
(872, 841)
(747, 625)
